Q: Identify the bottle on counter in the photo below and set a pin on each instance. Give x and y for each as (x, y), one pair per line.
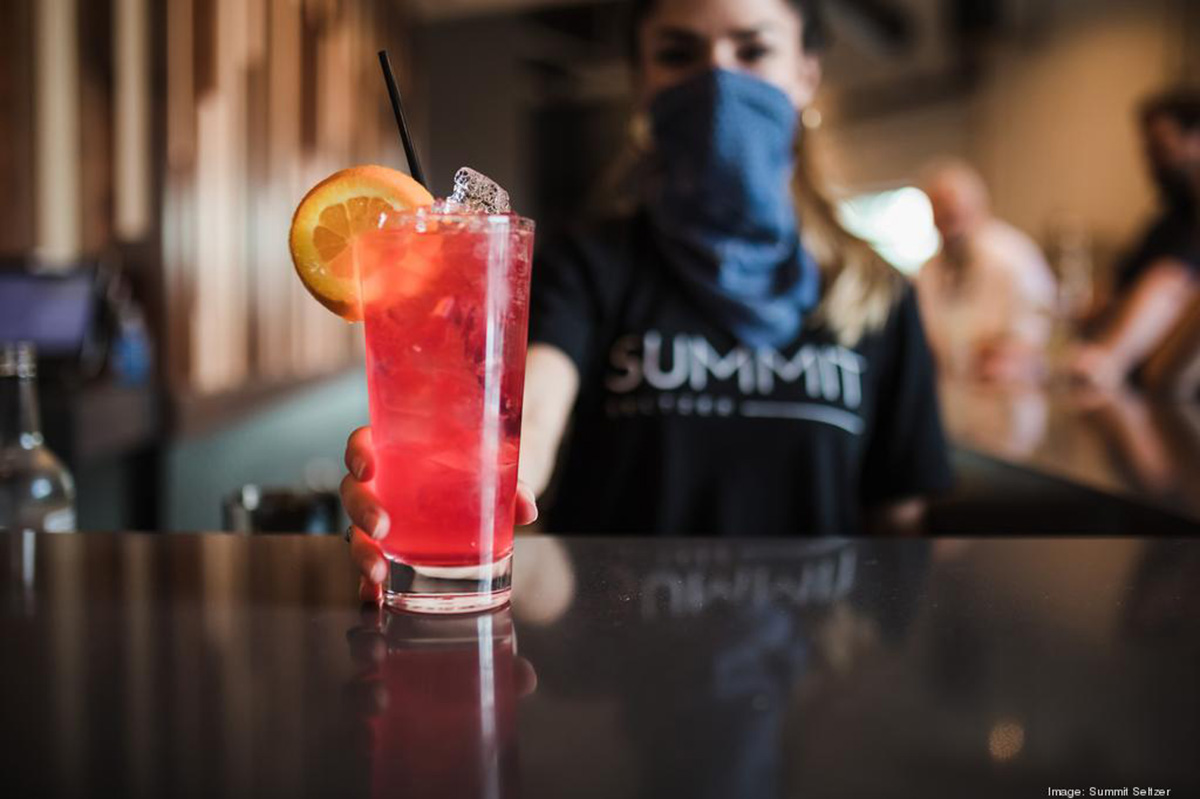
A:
(36, 490)
(1071, 255)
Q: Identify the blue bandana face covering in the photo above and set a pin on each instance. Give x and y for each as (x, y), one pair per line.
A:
(721, 206)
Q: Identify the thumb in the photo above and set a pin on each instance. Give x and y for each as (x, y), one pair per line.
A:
(526, 512)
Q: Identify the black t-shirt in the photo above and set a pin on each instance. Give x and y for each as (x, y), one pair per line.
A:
(1175, 234)
(679, 429)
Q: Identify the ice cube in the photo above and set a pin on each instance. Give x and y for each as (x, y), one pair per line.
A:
(479, 193)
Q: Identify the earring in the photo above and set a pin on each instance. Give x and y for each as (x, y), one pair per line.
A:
(640, 135)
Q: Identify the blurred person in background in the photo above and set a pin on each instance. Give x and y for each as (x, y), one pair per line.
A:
(988, 296)
(1157, 288)
(731, 360)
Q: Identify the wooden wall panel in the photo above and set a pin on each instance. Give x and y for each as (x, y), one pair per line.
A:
(277, 103)
(179, 137)
(16, 128)
(132, 162)
(56, 132)
(179, 196)
(96, 140)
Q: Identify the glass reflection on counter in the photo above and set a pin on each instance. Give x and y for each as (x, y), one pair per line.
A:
(438, 696)
(22, 557)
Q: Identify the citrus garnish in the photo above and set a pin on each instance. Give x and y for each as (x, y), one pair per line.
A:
(331, 217)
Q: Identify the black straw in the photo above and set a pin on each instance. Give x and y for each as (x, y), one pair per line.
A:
(410, 152)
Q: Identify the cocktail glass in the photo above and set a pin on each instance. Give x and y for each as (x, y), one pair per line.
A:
(445, 298)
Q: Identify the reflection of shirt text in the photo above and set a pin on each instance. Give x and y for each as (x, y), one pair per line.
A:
(677, 592)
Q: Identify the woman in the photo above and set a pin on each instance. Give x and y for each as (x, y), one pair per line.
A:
(734, 361)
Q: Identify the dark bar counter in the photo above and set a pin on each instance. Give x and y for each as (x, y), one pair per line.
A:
(220, 665)
(1080, 461)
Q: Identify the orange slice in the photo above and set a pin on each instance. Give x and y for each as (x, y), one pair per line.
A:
(331, 217)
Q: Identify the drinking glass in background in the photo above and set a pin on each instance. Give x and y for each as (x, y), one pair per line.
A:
(445, 299)
(1070, 250)
(258, 509)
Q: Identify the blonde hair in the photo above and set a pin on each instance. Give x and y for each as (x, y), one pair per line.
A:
(858, 287)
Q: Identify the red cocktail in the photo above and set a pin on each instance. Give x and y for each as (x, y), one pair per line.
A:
(445, 300)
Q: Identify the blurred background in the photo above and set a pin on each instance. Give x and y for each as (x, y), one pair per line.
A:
(154, 151)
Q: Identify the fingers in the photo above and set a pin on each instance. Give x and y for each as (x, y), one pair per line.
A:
(357, 497)
(360, 454)
(368, 557)
(363, 508)
(526, 512)
(369, 591)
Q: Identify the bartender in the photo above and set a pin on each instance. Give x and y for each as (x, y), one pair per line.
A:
(729, 359)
